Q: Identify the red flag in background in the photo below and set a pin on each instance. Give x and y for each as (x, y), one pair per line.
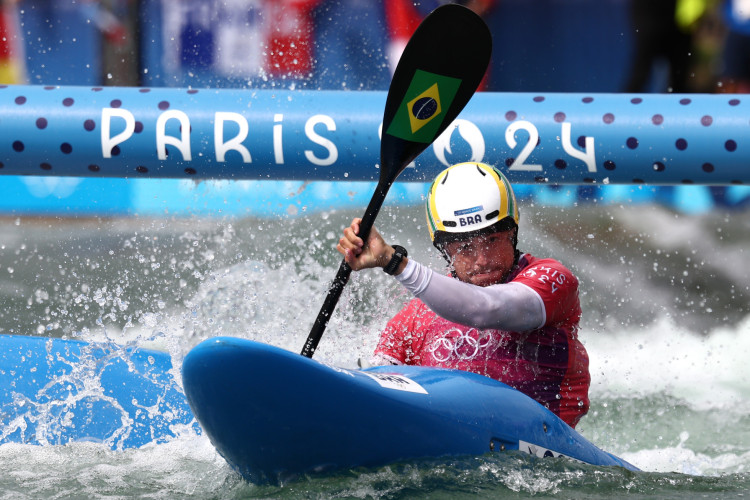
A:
(290, 38)
(403, 17)
(11, 45)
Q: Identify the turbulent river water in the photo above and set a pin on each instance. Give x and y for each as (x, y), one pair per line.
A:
(666, 324)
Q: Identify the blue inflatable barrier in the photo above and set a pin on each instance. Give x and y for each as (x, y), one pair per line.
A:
(56, 391)
(329, 135)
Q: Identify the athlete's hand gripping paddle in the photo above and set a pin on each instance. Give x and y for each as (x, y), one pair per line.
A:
(440, 69)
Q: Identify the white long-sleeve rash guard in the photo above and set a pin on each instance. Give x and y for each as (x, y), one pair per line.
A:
(507, 306)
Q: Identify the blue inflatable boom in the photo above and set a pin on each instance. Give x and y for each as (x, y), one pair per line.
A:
(330, 135)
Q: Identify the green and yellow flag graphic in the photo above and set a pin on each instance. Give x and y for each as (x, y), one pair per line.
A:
(425, 103)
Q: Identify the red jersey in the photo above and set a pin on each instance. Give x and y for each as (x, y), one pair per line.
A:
(548, 364)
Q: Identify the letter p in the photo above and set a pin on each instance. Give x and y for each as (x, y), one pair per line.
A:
(109, 142)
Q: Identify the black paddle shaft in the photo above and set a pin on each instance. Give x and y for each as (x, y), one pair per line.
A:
(342, 276)
(439, 70)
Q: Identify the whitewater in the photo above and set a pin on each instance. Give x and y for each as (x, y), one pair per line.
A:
(666, 324)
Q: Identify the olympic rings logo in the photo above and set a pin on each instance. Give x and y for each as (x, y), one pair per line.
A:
(460, 345)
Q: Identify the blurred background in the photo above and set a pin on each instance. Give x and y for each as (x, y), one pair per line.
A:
(539, 45)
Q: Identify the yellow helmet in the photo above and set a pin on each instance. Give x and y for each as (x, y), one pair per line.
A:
(469, 199)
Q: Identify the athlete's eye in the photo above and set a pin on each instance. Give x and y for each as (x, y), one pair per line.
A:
(465, 249)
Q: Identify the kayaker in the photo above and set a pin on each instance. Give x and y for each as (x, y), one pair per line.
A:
(498, 312)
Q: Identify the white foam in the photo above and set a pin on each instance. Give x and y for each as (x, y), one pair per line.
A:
(705, 371)
(684, 460)
(188, 465)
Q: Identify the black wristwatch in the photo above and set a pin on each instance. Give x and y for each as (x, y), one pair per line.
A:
(399, 253)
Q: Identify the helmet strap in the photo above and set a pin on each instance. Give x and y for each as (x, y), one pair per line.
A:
(516, 252)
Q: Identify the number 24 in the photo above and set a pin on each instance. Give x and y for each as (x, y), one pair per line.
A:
(587, 155)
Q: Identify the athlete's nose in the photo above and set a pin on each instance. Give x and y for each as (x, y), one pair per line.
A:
(481, 259)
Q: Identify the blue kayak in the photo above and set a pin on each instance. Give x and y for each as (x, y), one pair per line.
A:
(274, 415)
(56, 391)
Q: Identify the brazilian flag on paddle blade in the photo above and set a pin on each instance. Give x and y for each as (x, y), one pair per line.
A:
(425, 104)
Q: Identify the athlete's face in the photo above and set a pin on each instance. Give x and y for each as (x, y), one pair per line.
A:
(483, 260)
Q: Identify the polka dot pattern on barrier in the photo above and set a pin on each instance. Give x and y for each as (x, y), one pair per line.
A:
(697, 126)
(53, 118)
(556, 138)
